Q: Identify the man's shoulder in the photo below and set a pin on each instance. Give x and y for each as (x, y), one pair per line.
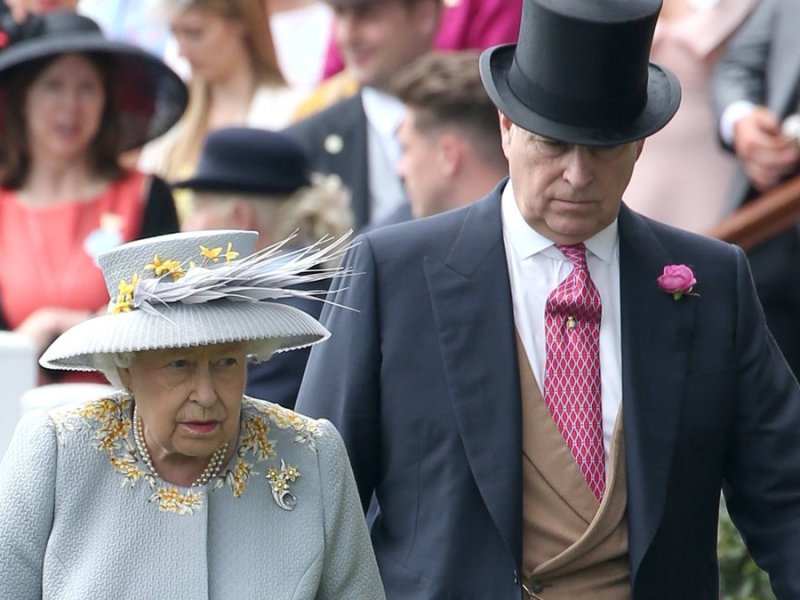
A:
(340, 114)
(434, 234)
(678, 242)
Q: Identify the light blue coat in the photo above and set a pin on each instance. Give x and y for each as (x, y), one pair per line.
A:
(82, 517)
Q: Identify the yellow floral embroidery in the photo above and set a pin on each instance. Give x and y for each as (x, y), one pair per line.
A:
(254, 437)
(171, 499)
(110, 421)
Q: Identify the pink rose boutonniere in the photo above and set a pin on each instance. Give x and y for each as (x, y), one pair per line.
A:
(677, 280)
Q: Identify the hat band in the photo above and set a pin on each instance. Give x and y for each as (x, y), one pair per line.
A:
(590, 112)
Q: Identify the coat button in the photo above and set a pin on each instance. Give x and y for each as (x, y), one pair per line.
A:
(537, 587)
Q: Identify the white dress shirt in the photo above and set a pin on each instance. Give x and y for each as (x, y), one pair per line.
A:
(535, 268)
(384, 114)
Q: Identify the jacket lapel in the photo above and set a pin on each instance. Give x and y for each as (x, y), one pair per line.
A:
(655, 334)
(471, 300)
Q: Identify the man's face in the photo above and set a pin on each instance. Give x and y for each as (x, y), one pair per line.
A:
(378, 37)
(420, 167)
(565, 191)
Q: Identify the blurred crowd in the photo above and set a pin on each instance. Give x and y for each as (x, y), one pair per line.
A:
(317, 117)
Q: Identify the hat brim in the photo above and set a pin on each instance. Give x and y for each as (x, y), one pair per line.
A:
(184, 326)
(240, 185)
(663, 100)
(151, 97)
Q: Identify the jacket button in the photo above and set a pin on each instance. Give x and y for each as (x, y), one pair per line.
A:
(537, 587)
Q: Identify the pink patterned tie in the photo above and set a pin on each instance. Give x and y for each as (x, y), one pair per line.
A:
(572, 368)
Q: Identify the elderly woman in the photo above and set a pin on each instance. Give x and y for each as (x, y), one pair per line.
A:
(72, 102)
(257, 179)
(179, 486)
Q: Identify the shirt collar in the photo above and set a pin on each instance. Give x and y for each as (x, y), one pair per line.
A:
(527, 242)
(384, 112)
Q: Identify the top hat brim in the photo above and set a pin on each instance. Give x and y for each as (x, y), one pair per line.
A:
(151, 97)
(663, 99)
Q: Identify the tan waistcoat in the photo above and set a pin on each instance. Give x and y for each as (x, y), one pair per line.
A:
(572, 546)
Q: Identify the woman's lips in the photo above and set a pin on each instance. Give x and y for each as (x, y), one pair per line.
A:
(201, 426)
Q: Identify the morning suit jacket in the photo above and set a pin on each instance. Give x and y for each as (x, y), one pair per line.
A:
(278, 379)
(762, 65)
(335, 140)
(422, 380)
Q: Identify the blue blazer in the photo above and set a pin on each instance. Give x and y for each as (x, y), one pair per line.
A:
(422, 380)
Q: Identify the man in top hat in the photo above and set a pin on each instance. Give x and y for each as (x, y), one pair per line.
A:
(355, 138)
(546, 391)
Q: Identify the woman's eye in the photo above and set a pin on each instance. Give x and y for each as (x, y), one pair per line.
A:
(178, 364)
(229, 361)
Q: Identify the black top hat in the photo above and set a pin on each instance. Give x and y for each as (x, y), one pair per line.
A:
(580, 72)
(150, 96)
(241, 160)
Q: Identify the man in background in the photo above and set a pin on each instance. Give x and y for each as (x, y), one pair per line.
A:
(450, 140)
(756, 86)
(355, 138)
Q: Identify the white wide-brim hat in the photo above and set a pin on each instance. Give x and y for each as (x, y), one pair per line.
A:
(181, 290)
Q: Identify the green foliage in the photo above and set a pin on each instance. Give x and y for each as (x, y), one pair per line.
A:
(740, 578)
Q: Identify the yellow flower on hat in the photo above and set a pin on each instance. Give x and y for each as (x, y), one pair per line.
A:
(159, 268)
(126, 290)
(212, 254)
(230, 254)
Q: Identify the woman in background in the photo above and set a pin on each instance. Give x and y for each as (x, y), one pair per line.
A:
(235, 80)
(73, 102)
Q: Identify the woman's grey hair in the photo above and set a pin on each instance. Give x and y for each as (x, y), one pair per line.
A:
(108, 365)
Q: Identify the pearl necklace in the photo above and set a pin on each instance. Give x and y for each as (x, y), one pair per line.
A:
(211, 470)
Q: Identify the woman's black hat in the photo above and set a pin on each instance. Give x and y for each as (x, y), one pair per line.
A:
(242, 160)
(150, 96)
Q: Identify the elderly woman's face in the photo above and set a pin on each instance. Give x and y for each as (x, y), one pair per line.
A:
(189, 399)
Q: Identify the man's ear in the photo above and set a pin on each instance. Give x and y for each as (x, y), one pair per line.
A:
(427, 15)
(505, 132)
(450, 151)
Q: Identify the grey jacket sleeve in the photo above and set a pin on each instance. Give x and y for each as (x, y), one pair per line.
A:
(741, 74)
(342, 378)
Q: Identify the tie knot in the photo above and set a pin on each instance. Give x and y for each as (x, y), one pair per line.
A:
(576, 253)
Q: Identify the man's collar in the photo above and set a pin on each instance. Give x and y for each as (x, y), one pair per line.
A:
(528, 242)
(384, 112)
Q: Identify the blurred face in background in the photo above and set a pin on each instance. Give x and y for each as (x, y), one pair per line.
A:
(422, 167)
(213, 44)
(64, 108)
(377, 38)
